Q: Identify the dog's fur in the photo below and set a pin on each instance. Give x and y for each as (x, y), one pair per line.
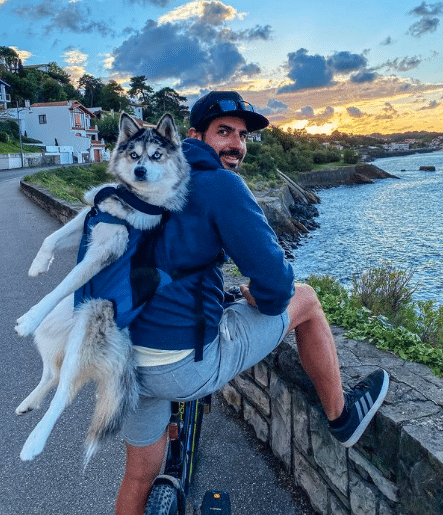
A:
(85, 344)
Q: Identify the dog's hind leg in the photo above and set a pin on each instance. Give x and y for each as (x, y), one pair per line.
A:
(69, 383)
(50, 338)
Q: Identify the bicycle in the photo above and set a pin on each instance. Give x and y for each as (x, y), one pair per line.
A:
(169, 491)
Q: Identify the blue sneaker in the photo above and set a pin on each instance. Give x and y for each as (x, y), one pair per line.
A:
(361, 404)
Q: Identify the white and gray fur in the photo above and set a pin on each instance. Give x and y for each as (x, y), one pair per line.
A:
(86, 344)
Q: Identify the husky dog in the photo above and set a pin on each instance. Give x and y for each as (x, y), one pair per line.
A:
(86, 343)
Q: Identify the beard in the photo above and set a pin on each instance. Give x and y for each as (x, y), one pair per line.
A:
(233, 153)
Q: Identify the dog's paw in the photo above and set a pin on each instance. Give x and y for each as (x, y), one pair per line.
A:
(23, 408)
(28, 323)
(41, 264)
(34, 445)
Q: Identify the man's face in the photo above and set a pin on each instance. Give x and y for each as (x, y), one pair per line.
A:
(227, 136)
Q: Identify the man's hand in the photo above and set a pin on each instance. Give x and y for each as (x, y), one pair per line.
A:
(247, 295)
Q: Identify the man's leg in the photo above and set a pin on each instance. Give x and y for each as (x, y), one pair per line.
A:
(143, 464)
(316, 348)
(349, 413)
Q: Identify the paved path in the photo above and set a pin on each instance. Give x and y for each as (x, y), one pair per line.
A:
(54, 483)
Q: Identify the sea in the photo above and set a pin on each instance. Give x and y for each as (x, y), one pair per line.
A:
(395, 221)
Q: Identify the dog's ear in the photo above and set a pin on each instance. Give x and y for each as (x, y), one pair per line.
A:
(167, 128)
(128, 127)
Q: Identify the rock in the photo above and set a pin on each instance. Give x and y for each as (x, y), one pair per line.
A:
(359, 178)
(427, 168)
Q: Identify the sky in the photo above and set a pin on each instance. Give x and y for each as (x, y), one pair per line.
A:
(355, 66)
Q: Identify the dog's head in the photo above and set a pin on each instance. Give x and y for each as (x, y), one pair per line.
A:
(150, 162)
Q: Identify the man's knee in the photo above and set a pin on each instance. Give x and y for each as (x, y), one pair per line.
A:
(144, 463)
(303, 306)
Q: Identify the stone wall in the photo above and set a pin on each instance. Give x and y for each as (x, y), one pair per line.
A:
(12, 161)
(397, 466)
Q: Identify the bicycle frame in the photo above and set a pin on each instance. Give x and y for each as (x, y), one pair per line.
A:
(184, 434)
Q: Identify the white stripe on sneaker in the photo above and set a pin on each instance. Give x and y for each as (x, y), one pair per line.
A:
(369, 399)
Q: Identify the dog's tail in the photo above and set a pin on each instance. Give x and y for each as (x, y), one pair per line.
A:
(115, 374)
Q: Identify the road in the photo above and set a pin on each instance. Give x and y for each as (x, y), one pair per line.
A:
(54, 483)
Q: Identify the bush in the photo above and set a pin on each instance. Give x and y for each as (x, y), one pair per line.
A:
(350, 157)
(385, 291)
(4, 137)
(10, 127)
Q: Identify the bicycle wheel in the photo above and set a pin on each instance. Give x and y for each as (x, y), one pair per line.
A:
(162, 500)
(191, 433)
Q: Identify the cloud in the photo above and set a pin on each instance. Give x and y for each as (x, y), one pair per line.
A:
(2, 2)
(345, 62)
(315, 71)
(74, 17)
(23, 54)
(307, 71)
(191, 44)
(305, 112)
(428, 19)
(363, 76)
(432, 105)
(273, 107)
(147, 3)
(76, 61)
(387, 41)
(354, 112)
(403, 65)
(424, 10)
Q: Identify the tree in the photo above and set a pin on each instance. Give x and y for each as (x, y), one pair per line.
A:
(108, 127)
(52, 91)
(113, 97)
(58, 73)
(168, 100)
(140, 90)
(92, 89)
(9, 59)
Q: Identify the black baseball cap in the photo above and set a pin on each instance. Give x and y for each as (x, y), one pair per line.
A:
(225, 103)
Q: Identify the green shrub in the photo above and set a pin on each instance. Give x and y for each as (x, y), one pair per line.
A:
(350, 157)
(4, 137)
(384, 290)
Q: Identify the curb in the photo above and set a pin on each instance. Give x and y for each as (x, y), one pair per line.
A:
(61, 210)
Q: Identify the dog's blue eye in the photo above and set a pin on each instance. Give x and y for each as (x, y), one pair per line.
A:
(133, 155)
(156, 155)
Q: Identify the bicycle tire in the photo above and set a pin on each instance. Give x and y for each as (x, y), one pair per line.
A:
(162, 500)
(193, 442)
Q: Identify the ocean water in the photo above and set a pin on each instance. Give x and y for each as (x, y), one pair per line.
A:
(395, 220)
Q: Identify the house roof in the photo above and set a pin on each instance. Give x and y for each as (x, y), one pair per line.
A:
(5, 83)
(66, 103)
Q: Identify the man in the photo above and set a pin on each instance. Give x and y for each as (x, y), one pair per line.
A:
(221, 214)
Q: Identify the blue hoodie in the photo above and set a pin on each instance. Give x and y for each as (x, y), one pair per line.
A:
(220, 214)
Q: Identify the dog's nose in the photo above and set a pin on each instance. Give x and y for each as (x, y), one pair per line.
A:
(140, 172)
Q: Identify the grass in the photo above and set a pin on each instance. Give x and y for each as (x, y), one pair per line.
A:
(70, 183)
(394, 322)
(14, 148)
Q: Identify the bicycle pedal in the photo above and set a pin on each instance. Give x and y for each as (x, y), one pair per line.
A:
(216, 502)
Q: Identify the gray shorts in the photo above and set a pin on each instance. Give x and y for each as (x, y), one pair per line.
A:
(245, 337)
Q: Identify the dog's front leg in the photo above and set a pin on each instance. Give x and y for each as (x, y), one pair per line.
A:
(108, 243)
(67, 236)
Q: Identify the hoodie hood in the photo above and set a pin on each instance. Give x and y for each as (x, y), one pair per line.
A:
(200, 156)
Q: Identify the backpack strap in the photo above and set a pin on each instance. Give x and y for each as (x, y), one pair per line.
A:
(128, 197)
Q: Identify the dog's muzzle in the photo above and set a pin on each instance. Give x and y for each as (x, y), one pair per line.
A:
(143, 174)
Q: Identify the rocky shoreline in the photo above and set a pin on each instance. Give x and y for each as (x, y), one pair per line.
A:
(291, 208)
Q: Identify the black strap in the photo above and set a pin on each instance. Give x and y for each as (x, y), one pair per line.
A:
(128, 197)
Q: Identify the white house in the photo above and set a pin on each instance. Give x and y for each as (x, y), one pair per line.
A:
(4, 97)
(64, 124)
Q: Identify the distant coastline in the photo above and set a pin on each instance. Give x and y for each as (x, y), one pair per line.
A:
(381, 154)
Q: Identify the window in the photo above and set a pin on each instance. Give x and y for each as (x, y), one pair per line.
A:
(42, 118)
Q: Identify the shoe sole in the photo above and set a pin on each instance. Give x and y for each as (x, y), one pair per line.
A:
(370, 414)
